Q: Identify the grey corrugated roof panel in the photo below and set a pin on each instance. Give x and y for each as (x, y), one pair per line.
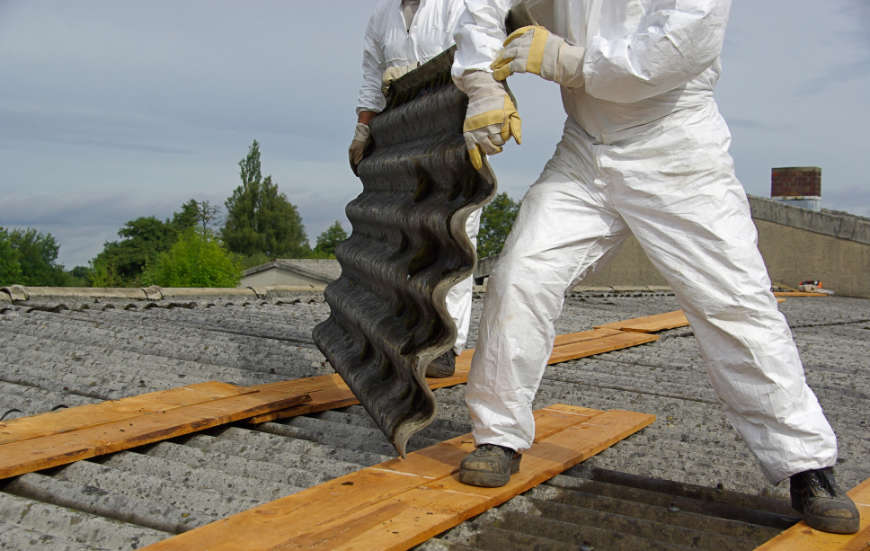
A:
(595, 509)
(244, 359)
(21, 400)
(88, 531)
(690, 442)
(15, 537)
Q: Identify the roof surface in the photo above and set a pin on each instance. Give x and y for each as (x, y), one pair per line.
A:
(685, 482)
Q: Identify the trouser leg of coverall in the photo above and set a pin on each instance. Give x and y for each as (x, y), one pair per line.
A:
(705, 245)
(459, 296)
(525, 293)
(690, 214)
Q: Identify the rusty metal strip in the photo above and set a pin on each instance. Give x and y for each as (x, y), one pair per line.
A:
(407, 248)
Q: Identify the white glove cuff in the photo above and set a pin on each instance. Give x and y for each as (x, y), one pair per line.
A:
(569, 67)
(478, 84)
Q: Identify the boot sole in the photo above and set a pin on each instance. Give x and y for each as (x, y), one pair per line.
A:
(833, 525)
(488, 479)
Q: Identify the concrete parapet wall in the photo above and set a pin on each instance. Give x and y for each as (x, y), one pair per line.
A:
(833, 224)
(793, 255)
(797, 244)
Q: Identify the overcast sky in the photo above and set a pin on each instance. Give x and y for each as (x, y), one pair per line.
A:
(111, 110)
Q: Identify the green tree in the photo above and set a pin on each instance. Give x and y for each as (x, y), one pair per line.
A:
(195, 260)
(259, 218)
(10, 267)
(187, 217)
(495, 224)
(80, 276)
(36, 253)
(195, 213)
(120, 263)
(329, 239)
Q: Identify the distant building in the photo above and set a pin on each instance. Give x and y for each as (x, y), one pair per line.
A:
(295, 272)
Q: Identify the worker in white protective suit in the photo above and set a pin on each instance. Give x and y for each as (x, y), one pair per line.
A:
(644, 151)
(402, 35)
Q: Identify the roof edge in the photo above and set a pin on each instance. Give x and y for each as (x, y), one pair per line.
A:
(20, 293)
(835, 224)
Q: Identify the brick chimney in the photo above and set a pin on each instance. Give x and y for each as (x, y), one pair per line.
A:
(798, 186)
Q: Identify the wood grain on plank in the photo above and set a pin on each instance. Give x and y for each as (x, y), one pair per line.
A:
(62, 448)
(89, 415)
(650, 324)
(590, 335)
(403, 502)
(583, 349)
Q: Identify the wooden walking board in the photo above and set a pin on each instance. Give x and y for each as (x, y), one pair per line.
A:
(61, 437)
(801, 537)
(650, 324)
(403, 502)
(330, 391)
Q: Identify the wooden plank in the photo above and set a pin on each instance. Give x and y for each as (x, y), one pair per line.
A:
(618, 341)
(400, 503)
(330, 391)
(650, 324)
(583, 336)
(60, 449)
(90, 415)
(801, 537)
(799, 294)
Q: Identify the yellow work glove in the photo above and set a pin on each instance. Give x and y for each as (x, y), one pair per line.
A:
(491, 118)
(361, 138)
(536, 50)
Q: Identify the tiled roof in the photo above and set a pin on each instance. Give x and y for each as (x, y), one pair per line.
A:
(61, 352)
(323, 269)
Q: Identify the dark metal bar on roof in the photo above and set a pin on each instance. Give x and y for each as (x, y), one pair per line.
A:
(407, 248)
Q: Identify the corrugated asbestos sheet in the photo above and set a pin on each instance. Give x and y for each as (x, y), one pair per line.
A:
(408, 246)
(63, 351)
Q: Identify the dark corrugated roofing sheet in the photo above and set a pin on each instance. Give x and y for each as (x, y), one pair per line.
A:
(408, 246)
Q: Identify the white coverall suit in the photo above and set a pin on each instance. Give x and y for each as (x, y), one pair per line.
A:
(645, 151)
(390, 43)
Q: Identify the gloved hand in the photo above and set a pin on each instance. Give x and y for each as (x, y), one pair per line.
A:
(491, 118)
(534, 49)
(361, 138)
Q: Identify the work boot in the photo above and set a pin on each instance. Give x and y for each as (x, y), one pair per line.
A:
(822, 503)
(489, 466)
(442, 366)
